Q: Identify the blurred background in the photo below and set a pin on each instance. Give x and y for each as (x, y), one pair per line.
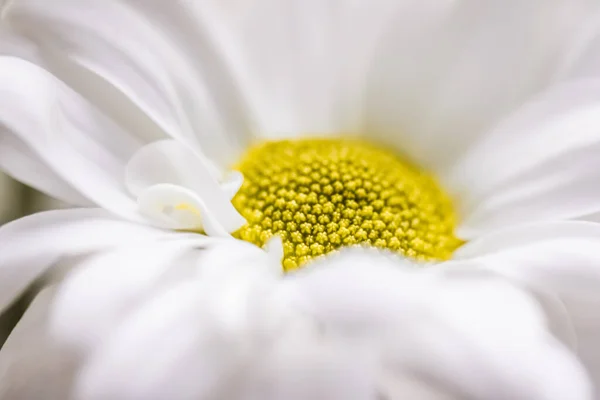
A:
(17, 200)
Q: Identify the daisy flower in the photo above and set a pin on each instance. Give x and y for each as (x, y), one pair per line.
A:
(303, 199)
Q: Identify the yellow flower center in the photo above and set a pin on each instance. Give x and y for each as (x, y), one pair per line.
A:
(321, 194)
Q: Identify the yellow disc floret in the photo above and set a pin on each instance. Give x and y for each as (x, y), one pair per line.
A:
(321, 194)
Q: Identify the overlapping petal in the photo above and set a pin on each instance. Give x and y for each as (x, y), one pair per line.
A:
(455, 331)
(558, 262)
(389, 329)
(29, 246)
(153, 318)
(54, 139)
(541, 164)
(159, 62)
(437, 84)
(32, 364)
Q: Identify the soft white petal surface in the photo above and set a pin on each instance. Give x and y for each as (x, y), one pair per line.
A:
(24, 165)
(29, 246)
(541, 164)
(357, 325)
(49, 127)
(97, 294)
(436, 84)
(44, 119)
(219, 300)
(63, 325)
(583, 59)
(354, 326)
(560, 263)
(166, 58)
(306, 60)
(33, 366)
(476, 336)
(175, 207)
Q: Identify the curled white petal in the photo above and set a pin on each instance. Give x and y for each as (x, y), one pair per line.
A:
(176, 207)
(179, 187)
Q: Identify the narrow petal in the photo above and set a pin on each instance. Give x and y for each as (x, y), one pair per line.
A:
(516, 236)
(438, 83)
(292, 49)
(31, 245)
(168, 320)
(169, 70)
(24, 165)
(540, 164)
(303, 61)
(33, 366)
(560, 263)
(91, 302)
(46, 125)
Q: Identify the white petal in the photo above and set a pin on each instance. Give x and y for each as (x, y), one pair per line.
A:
(97, 295)
(91, 304)
(242, 260)
(540, 164)
(232, 183)
(472, 335)
(525, 235)
(306, 61)
(24, 165)
(556, 262)
(165, 61)
(298, 367)
(174, 371)
(413, 388)
(33, 366)
(15, 45)
(44, 119)
(170, 162)
(583, 59)
(19, 160)
(439, 80)
(197, 350)
(235, 334)
(30, 245)
(494, 322)
(206, 329)
(175, 207)
(290, 47)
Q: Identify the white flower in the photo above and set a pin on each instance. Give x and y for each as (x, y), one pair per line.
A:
(140, 108)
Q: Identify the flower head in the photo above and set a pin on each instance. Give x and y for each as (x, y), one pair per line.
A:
(455, 137)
